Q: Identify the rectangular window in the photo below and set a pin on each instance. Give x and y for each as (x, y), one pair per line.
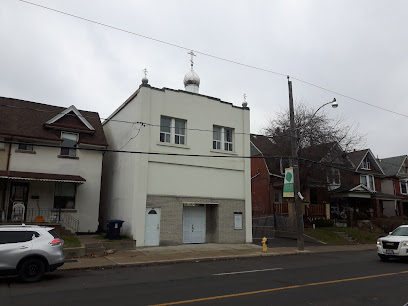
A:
(165, 123)
(366, 164)
(217, 138)
(25, 147)
(404, 186)
(1, 143)
(368, 181)
(313, 195)
(180, 131)
(64, 195)
(223, 138)
(238, 220)
(69, 143)
(172, 130)
(278, 196)
(228, 139)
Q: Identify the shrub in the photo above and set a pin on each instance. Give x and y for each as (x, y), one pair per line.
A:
(323, 223)
(359, 215)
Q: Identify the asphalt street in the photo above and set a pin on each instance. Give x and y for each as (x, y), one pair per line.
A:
(345, 278)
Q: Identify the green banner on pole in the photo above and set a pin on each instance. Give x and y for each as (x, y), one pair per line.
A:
(288, 184)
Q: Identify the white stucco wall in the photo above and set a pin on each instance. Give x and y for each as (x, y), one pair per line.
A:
(173, 175)
(88, 165)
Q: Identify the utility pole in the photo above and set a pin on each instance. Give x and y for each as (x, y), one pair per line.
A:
(296, 177)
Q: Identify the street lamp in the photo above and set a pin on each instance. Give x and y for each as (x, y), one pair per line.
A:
(295, 165)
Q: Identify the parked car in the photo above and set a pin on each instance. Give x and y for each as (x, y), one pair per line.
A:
(394, 245)
(29, 251)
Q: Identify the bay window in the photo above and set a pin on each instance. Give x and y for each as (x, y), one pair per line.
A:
(368, 181)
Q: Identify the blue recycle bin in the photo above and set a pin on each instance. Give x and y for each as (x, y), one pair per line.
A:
(113, 229)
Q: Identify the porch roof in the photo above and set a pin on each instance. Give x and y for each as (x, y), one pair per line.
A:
(385, 196)
(351, 191)
(45, 177)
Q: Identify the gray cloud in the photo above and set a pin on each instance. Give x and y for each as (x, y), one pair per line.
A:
(358, 48)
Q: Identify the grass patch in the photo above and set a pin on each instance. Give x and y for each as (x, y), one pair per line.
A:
(328, 235)
(71, 242)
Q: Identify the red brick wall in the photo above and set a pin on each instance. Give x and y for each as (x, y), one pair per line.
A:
(261, 204)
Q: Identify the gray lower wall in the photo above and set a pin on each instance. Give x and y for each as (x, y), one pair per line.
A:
(219, 218)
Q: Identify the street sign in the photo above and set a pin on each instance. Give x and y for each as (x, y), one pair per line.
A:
(288, 184)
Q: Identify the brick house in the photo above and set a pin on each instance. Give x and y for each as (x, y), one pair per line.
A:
(320, 172)
(395, 183)
(361, 188)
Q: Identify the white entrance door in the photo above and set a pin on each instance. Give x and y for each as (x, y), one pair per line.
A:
(152, 230)
(194, 224)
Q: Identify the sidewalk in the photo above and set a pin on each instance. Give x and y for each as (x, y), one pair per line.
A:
(196, 252)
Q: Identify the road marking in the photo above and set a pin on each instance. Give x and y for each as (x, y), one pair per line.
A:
(278, 289)
(251, 271)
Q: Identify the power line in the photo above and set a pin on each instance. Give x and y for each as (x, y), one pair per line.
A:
(351, 98)
(137, 152)
(209, 55)
(183, 155)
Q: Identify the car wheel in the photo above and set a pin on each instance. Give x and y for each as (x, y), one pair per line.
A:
(31, 270)
(384, 258)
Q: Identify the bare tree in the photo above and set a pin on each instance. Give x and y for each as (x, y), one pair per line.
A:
(314, 129)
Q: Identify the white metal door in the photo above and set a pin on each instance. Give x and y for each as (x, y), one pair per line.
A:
(194, 224)
(152, 229)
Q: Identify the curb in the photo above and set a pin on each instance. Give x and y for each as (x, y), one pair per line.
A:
(202, 259)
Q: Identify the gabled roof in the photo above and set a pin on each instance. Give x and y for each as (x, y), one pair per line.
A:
(28, 120)
(357, 158)
(352, 188)
(327, 153)
(68, 110)
(269, 148)
(392, 165)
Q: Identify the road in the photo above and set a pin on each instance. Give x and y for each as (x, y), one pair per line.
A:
(346, 278)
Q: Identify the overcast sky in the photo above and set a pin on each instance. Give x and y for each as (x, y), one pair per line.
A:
(356, 48)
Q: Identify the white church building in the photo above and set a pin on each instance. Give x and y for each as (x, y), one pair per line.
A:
(182, 178)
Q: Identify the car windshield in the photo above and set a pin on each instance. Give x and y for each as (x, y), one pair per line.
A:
(400, 231)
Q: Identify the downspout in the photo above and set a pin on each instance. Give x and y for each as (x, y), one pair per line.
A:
(5, 185)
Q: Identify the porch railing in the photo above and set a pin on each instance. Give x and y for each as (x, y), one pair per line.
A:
(52, 215)
(280, 208)
(315, 210)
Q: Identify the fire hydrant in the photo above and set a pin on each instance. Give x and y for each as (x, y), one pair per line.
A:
(264, 245)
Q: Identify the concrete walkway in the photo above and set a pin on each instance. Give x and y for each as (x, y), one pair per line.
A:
(196, 252)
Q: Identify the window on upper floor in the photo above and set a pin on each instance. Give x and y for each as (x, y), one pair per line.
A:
(64, 195)
(277, 196)
(1, 143)
(333, 178)
(69, 144)
(404, 187)
(368, 181)
(366, 164)
(172, 130)
(223, 138)
(25, 147)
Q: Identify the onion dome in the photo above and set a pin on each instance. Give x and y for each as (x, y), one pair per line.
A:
(191, 78)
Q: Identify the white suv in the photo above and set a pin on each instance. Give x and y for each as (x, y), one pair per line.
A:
(29, 251)
(394, 245)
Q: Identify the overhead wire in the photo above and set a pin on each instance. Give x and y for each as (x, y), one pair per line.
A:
(209, 55)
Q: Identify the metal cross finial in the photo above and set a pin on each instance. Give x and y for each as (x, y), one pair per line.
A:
(145, 72)
(245, 97)
(192, 59)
